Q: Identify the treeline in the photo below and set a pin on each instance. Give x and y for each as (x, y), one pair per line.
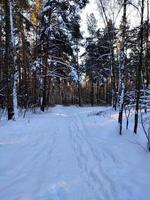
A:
(40, 62)
(37, 50)
(119, 58)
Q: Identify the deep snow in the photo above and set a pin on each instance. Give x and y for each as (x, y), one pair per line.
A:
(70, 153)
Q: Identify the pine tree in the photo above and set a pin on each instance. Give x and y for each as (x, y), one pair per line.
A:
(122, 66)
(139, 70)
(8, 62)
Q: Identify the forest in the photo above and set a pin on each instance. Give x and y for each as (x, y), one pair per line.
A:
(74, 99)
(41, 64)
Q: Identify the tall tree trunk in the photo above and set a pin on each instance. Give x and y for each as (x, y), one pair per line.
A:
(24, 64)
(139, 70)
(8, 63)
(78, 73)
(113, 81)
(122, 69)
(147, 68)
(15, 102)
(45, 68)
(92, 93)
(79, 92)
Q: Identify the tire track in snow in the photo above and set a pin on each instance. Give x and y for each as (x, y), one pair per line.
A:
(106, 152)
(88, 161)
(44, 166)
(82, 160)
(110, 158)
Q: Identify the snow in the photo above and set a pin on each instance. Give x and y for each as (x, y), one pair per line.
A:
(46, 8)
(74, 74)
(71, 153)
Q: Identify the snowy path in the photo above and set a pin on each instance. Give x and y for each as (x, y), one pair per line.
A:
(90, 164)
(67, 154)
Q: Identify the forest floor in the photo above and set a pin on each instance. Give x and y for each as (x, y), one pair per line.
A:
(71, 153)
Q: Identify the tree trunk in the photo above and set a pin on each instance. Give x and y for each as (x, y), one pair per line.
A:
(122, 69)
(45, 68)
(8, 63)
(138, 73)
(92, 93)
(147, 68)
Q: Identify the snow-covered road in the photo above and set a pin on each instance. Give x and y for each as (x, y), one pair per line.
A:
(70, 154)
